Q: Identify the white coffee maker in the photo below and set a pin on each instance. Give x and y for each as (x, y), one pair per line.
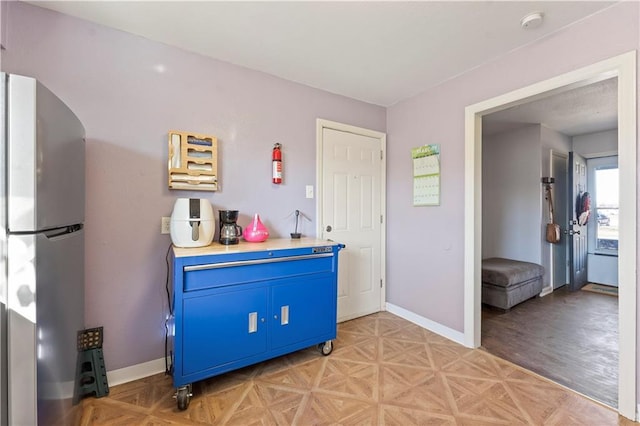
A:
(192, 223)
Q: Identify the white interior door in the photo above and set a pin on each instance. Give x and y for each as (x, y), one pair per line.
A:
(351, 201)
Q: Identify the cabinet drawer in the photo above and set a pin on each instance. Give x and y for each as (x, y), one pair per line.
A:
(198, 277)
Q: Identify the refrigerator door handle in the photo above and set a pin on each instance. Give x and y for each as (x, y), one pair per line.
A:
(52, 234)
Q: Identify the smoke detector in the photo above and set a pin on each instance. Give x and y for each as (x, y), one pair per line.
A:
(532, 20)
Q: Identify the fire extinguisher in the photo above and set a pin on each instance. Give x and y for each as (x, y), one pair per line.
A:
(276, 159)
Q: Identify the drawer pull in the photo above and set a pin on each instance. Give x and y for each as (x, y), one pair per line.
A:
(284, 315)
(253, 262)
(253, 322)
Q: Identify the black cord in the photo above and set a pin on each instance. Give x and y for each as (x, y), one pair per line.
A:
(166, 282)
(168, 369)
(166, 348)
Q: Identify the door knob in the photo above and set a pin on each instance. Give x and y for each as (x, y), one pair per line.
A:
(329, 228)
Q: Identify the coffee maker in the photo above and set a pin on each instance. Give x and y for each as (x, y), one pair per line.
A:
(230, 231)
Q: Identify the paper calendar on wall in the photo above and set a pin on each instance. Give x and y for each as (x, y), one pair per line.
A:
(426, 175)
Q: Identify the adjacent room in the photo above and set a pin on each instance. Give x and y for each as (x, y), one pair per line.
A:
(555, 321)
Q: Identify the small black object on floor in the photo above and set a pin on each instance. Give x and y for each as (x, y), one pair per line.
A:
(91, 374)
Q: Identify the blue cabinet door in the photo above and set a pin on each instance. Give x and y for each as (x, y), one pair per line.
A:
(303, 309)
(223, 327)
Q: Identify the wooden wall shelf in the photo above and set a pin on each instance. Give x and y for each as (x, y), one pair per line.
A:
(193, 161)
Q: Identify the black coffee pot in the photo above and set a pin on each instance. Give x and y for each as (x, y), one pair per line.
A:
(230, 231)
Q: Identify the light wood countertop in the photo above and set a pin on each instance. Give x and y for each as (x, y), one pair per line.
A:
(243, 246)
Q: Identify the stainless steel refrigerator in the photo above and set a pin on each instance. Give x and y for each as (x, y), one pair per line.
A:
(42, 187)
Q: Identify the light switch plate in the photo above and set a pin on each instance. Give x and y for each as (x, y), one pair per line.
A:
(309, 191)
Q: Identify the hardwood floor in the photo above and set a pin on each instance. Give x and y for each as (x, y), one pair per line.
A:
(383, 371)
(568, 337)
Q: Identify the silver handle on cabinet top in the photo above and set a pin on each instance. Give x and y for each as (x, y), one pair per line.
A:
(253, 262)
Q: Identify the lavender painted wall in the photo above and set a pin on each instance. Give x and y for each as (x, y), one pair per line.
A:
(129, 92)
(425, 271)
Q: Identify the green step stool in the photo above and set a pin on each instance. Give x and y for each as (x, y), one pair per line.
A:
(91, 374)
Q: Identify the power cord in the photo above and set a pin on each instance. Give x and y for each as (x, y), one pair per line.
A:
(168, 356)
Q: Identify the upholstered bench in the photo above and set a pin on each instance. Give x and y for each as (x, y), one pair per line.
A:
(506, 282)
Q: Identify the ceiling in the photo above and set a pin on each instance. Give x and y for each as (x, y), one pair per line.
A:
(377, 52)
(588, 109)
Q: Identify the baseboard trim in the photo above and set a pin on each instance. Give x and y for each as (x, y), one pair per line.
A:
(135, 372)
(433, 326)
(546, 290)
(156, 366)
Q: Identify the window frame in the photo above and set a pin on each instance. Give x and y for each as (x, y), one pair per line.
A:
(594, 164)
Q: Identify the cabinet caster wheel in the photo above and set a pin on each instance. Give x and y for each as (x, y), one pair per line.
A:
(326, 348)
(183, 397)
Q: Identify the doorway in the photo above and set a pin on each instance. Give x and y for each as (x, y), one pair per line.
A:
(624, 67)
(350, 210)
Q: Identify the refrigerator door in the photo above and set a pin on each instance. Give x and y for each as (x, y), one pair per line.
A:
(46, 151)
(46, 311)
(3, 257)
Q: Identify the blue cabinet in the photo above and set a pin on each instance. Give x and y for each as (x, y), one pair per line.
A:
(233, 306)
(217, 328)
(302, 310)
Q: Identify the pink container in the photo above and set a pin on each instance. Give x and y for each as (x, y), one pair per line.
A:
(255, 232)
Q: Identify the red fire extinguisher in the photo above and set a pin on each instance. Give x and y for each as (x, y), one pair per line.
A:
(276, 159)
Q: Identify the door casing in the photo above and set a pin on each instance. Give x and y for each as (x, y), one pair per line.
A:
(624, 68)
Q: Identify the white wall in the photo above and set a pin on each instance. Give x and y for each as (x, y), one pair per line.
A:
(602, 269)
(512, 200)
(550, 139)
(600, 144)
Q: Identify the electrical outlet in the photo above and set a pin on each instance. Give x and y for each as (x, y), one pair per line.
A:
(165, 227)
(309, 191)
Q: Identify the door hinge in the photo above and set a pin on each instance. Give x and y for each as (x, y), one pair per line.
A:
(381, 155)
(381, 220)
(380, 282)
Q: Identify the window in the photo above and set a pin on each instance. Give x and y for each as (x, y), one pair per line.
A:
(606, 208)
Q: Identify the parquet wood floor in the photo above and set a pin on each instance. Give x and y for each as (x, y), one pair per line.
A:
(383, 371)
